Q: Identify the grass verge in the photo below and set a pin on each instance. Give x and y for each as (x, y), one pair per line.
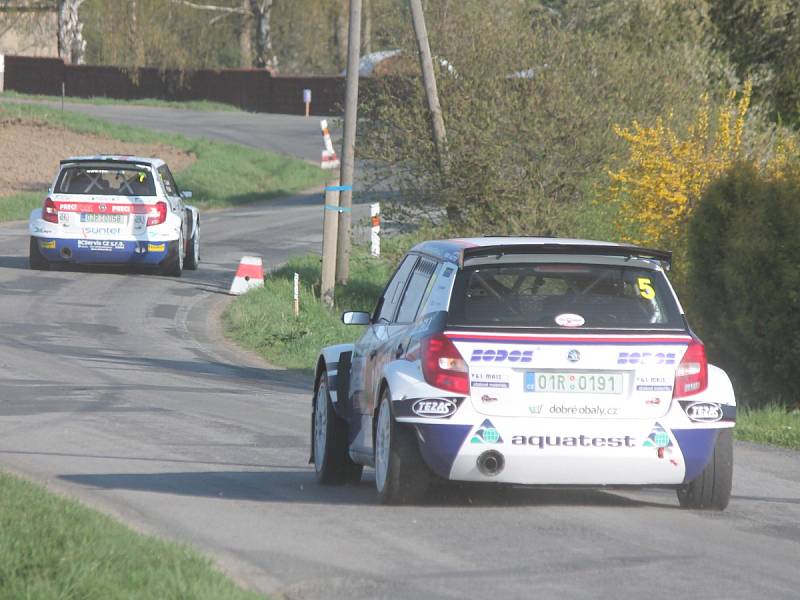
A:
(224, 175)
(52, 547)
(770, 425)
(202, 105)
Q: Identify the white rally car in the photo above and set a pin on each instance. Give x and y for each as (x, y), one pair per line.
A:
(124, 210)
(536, 361)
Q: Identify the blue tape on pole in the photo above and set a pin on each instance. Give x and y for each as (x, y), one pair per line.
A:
(339, 188)
(340, 209)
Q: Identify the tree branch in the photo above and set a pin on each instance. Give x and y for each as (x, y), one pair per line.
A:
(211, 7)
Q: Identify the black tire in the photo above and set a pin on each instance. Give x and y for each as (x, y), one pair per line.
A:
(36, 261)
(173, 264)
(332, 463)
(711, 490)
(401, 476)
(193, 250)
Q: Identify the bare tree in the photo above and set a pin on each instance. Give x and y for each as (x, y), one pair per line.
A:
(260, 11)
(71, 45)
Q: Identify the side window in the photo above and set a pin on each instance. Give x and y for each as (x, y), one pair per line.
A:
(415, 291)
(167, 180)
(391, 295)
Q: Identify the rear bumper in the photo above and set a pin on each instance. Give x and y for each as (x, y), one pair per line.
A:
(567, 452)
(133, 252)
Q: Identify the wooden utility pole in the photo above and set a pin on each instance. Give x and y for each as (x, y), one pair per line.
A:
(349, 143)
(429, 81)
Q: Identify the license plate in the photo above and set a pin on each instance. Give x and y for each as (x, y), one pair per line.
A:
(106, 218)
(573, 383)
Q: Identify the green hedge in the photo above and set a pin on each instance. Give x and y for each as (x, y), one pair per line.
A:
(744, 282)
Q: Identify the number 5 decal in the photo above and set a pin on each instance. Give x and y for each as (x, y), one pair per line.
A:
(646, 288)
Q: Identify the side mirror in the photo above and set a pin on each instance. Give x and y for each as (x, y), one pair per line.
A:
(186, 195)
(356, 318)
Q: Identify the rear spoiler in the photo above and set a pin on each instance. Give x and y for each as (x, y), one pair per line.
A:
(100, 161)
(625, 251)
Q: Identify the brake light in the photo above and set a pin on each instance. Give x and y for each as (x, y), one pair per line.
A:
(692, 374)
(157, 213)
(443, 366)
(49, 211)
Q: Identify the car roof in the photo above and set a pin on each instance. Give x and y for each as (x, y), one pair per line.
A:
(114, 158)
(460, 249)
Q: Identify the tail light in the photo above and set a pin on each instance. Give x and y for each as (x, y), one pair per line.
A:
(157, 213)
(443, 366)
(49, 211)
(692, 374)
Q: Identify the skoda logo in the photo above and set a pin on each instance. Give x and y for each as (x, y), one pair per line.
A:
(573, 356)
(102, 208)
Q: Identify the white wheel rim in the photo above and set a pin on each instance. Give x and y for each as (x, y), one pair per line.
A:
(320, 426)
(382, 445)
(180, 252)
(197, 246)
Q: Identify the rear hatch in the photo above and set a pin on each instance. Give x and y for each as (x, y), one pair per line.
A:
(567, 339)
(105, 201)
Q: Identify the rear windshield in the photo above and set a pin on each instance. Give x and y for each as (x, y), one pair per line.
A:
(559, 295)
(106, 181)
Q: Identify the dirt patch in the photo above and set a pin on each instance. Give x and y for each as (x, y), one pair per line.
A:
(30, 151)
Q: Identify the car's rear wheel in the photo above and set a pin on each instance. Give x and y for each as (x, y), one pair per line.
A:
(711, 490)
(193, 250)
(401, 476)
(332, 463)
(36, 261)
(173, 264)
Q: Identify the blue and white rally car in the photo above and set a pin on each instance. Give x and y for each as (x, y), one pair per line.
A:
(115, 210)
(536, 361)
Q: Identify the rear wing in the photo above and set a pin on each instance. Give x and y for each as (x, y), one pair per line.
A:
(621, 250)
(104, 161)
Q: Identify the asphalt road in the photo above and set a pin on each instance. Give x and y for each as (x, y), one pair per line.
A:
(117, 388)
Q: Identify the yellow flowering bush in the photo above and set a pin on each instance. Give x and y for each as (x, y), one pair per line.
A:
(666, 173)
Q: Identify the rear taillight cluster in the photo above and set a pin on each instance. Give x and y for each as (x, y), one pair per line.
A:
(442, 364)
(691, 376)
(49, 211)
(157, 214)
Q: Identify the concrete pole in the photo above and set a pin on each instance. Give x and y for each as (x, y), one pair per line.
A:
(429, 81)
(349, 142)
(328, 279)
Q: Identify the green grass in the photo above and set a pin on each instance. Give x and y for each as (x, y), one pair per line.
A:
(202, 105)
(224, 175)
(52, 547)
(771, 425)
(262, 320)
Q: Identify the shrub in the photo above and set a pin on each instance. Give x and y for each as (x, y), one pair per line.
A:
(744, 283)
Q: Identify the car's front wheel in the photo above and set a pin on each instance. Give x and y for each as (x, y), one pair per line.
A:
(332, 464)
(36, 261)
(193, 250)
(711, 490)
(401, 476)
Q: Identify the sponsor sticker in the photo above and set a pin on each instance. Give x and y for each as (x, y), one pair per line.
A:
(704, 412)
(572, 441)
(584, 410)
(48, 245)
(485, 379)
(500, 355)
(101, 231)
(486, 434)
(653, 388)
(155, 247)
(435, 408)
(646, 358)
(570, 320)
(101, 245)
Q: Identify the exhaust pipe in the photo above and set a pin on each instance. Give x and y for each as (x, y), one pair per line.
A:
(491, 463)
(66, 253)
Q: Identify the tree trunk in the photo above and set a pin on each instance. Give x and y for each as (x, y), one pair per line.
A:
(366, 32)
(71, 45)
(264, 58)
(246, 37)
(340, 33)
